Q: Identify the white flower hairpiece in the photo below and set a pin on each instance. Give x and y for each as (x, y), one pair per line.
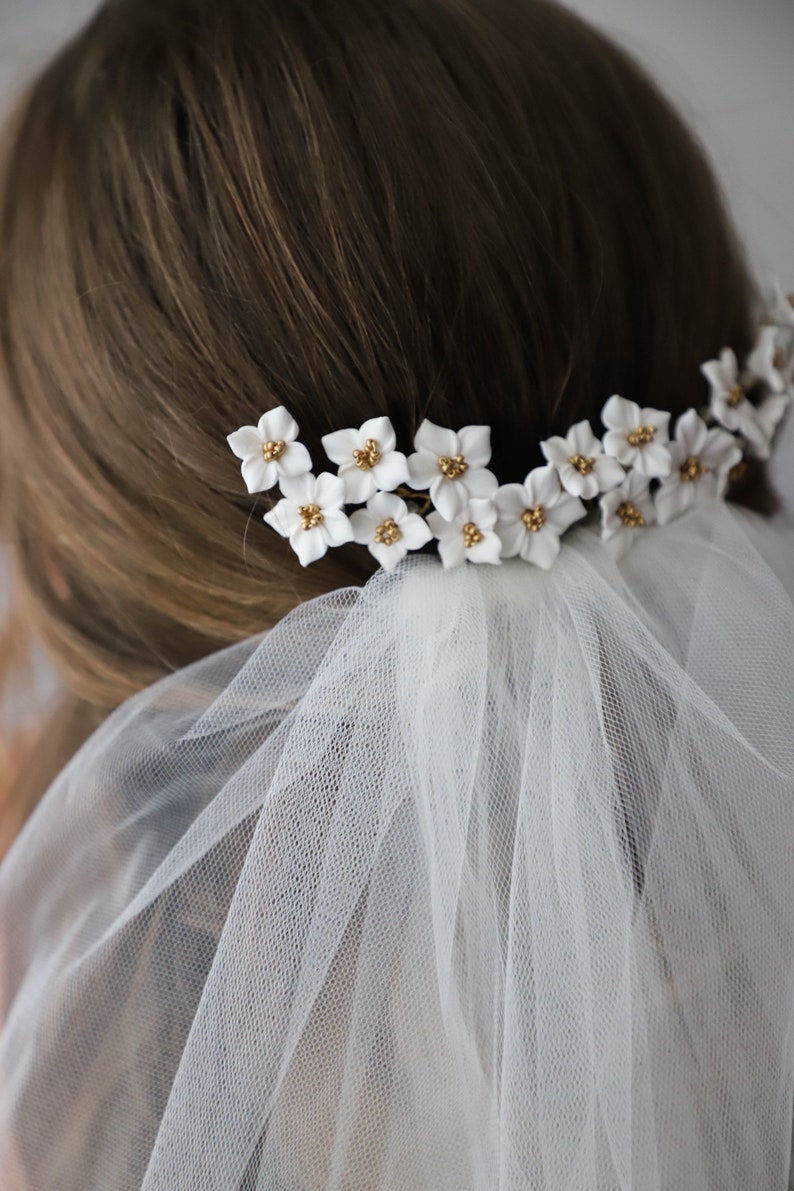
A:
(634, 475)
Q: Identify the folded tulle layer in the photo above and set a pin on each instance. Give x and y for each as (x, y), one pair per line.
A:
(465, 879)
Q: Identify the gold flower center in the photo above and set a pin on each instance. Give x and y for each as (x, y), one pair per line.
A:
(388, 532)
(735, 396)
(691, 469)
(453, 466)
(311, 516)
(369, 456)
(641, 436)
(630, 515)
(737, 472)
(534, 519)
(273, 450)
(471, 534)
(584, 464)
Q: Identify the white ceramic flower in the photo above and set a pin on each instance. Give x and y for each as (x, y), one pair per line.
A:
(767, 360)
(702, 461)
(310, 515)
(579, 458)
(769, 413)
(625, 512)
(637, 437)
(729, 404)
(269, 450)
(367, 459)
(389, 529)
(470, 537)
(532, 516)
(452, 466)
(782, 308)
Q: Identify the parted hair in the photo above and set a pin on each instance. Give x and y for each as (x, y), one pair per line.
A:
(474, 211)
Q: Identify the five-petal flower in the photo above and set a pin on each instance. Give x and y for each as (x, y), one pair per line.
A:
(471, 536)
(729, 403)
(637, 437)
(625, 511)
(310, 515)
(367, 458)
(388, 529)
(579, 458)
(452, 466)
(269, 451)
(532, 516)
(702, 462)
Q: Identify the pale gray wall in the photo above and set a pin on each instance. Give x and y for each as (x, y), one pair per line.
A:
(729, 64)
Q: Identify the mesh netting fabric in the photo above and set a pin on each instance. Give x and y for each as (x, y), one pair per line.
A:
(466, 879)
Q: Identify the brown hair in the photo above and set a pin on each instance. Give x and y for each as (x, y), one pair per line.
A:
(470, 210)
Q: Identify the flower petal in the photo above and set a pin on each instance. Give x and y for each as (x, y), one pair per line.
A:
(475, 445)
(448, 496)
(299, 488)
(295, 460)
(556, 450)
(617, 446)
(422, 469)
(541, 487)
(483, 513)
(364, 525)
(278, 424)
(690, 432)
(511, 500)
(479, 483)
(339, 445)
(385, 504)
(541, 548)
(382, 431)
(359, 485)
(283, 517)
(437, 440)
(329, 491)
(452, 550)
(621, 414)
(653, 460)
(308, 544)
(415, 531)
(337, 528)
(512, 534)
(388, 554)
(608, 473)
(562, 515)
(488, 551)
(581, 437)
(674, 498)
(245, 441)
(259, 475)
(391, 471)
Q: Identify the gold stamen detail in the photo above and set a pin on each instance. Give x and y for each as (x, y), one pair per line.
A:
(584, 464)
(471, 534)
(534, 519)
(641, 436)
(388, 532)
(369, 456)
(630, 515)
(452, 467)
(311, 516)
(691, 469)
(737, 472)
(735, 396)
(273, 450)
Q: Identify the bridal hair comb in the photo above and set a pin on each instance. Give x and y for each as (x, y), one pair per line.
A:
(636, 473)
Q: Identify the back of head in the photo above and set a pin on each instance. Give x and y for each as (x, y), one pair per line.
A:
(477, 213)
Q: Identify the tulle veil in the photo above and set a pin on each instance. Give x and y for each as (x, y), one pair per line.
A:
(462, 879)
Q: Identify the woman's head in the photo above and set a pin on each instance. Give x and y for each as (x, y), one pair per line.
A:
(468, 210)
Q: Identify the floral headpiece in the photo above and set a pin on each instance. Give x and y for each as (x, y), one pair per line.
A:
(636, 473)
